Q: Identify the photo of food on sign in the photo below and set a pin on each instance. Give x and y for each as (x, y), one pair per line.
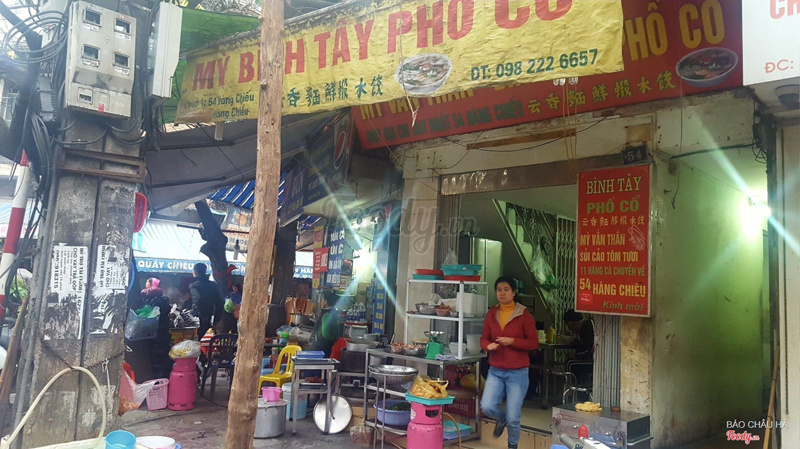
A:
(707, 67)
(423, 74)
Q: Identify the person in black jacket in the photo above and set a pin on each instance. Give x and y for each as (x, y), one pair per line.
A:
(206, 299)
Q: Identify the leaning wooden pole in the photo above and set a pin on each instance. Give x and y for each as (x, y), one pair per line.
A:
(253, 317)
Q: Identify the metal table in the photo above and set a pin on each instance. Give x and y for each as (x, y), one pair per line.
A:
(328, 368)
(382, 390)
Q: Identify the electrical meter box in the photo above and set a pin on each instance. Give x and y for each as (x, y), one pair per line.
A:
(101, 51)
(163, 50)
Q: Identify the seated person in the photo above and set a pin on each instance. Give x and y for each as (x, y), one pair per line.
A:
(583, 330)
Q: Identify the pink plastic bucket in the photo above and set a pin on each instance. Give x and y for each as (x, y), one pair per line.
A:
(271, 394)
(157, 398)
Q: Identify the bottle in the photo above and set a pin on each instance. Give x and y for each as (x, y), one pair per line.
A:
(583, 432)
(551, 335)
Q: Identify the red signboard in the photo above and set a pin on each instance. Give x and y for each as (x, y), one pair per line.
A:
(321, 260)
(613, 268)
(670, 49)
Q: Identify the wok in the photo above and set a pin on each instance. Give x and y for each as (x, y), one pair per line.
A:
(360, 345)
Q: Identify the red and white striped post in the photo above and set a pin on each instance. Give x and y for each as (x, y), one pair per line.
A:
(15, 223)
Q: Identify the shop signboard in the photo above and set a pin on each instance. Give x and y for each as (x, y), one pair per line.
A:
(293, 195)
(670, 49)
(155, 265)
(320, 260)
(328, 160)
(378, 308)
(301, 272)
(378, 50)
(770, 40)
(613, 260)
(336, 241)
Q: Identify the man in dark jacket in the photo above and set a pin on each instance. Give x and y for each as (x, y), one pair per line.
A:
(206, 299)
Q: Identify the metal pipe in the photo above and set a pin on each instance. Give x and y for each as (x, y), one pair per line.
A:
(15, 223)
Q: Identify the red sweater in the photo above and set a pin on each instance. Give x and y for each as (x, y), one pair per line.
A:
(521, 327)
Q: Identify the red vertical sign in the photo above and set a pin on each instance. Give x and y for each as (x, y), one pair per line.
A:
(613, 267)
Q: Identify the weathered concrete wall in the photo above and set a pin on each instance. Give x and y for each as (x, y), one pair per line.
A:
(786, 210)
(706, 304)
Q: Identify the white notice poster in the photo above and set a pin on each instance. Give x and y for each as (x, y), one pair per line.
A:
(69, 268)
(110, 278)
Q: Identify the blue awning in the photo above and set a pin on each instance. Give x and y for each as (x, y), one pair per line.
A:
(243, 195)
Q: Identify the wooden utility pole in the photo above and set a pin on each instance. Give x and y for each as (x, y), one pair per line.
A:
(253, 318)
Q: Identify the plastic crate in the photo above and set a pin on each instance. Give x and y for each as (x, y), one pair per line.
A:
(450, 432)
(310, 354)
(157, 398)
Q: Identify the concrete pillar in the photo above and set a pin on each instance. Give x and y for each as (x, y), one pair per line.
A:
(81, 277)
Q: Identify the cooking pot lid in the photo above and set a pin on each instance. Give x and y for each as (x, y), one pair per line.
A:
(341, 413)
(279, 403)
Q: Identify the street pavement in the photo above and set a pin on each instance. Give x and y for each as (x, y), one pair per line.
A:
(204, 427)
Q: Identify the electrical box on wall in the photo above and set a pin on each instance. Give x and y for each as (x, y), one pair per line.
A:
(163, 52)
(101, 49)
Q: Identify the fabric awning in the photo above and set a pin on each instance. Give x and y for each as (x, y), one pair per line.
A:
(243, 195)
(167, 247)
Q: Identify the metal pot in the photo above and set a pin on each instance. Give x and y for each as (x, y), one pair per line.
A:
(360, 345)
(298, 319)
(270, 419)
(372, 337)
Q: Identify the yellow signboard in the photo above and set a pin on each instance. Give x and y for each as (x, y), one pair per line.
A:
(374, 51)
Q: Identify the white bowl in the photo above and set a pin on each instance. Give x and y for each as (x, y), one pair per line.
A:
(156, 442)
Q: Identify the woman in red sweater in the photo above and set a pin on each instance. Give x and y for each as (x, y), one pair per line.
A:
(509, 334)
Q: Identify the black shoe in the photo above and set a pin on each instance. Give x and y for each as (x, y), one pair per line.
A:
(499, 427)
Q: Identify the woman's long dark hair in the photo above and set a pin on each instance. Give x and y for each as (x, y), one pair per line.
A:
(508, 280)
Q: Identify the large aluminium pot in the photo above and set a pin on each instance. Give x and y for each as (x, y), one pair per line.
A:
(360, 345)
(270, 419)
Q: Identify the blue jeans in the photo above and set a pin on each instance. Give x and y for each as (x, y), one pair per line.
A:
(510, 385)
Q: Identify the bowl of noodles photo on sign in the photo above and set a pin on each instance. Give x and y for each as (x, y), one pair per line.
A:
(707, 67)
(423, 74)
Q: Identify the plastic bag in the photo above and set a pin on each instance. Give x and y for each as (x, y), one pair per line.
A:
(131, 394)
(451, 258)
(142, 328)
(361, 435)
(542, 271)
(427, 388)
(187, 349)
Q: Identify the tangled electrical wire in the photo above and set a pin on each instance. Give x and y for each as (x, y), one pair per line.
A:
(52, 23)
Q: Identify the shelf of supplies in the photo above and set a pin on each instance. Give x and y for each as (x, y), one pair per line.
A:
(443, 318)
(424, 281)
(391, 429)
(471, 358)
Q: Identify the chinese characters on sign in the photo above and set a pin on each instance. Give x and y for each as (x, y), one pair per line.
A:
(614, 241)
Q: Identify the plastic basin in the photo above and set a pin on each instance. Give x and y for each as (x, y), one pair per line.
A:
(393, 418)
